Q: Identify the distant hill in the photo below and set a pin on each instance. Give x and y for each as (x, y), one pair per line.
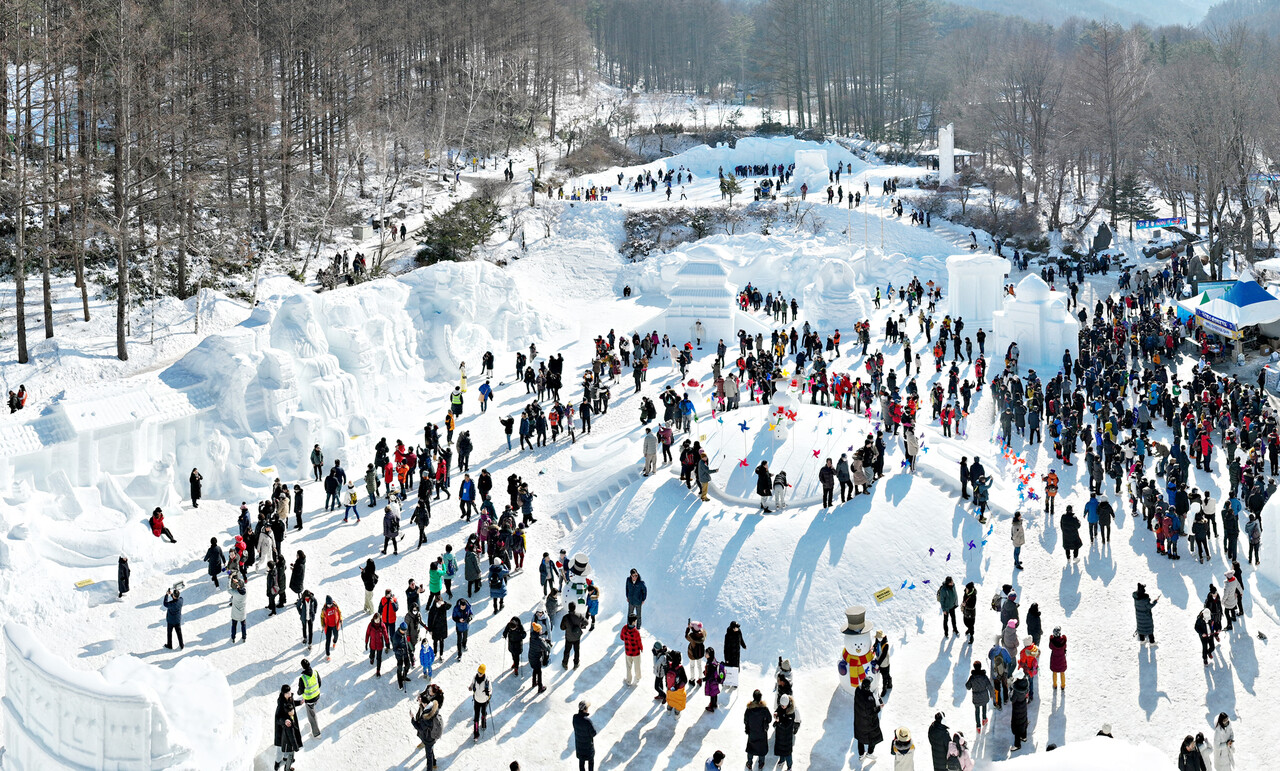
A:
(1152, 12)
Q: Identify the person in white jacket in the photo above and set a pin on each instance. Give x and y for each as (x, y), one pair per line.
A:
(650, 452)
(1224, 744)
(1018, 533)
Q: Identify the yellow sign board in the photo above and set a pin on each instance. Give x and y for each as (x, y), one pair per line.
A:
(83, 583)
(884, 595)
(268, 470)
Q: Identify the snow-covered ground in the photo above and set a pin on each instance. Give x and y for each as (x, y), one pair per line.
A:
(348, 367)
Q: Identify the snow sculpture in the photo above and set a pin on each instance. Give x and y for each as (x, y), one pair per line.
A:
(579, 577)
(129, 715)
(975, 286)
(833, 294)
(1037, 319)
(946, 153)
(812, 170)
(857, 654)
(702, 293)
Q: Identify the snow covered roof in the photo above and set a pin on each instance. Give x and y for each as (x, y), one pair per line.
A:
(112, 407)
(1033, 289)
(978, 260)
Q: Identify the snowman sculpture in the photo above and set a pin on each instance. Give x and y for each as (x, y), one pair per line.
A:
(856, 658)
(578, 574)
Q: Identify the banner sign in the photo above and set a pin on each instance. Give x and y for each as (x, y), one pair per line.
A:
(1164, 223)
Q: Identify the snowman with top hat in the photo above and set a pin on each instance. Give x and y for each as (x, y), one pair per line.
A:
(859, 652)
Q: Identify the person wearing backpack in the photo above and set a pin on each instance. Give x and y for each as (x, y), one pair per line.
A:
(498, 574)
(1001, 666)
(539, 653)
(713, 676)
(674, 678)
(353, 501)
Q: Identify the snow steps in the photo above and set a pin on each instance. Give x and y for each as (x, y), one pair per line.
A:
(575, 513)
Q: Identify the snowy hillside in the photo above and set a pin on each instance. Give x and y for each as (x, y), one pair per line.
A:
(346, 368)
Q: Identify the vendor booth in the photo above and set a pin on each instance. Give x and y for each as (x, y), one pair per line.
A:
(1233, 314)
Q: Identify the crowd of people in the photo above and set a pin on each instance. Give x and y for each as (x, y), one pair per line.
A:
(1106, 401)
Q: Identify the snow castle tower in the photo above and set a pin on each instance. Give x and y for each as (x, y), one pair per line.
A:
(975, 286)
(701, 293)
(856, 657)
(1037, 319)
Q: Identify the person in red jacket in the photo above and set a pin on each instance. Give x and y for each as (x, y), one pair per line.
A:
(387, 608)
(331, 621)
(157, 526)
(632, 647)
(375, 642)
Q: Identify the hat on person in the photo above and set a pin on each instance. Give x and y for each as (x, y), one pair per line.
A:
(583, 706)
(480, 670)
(1013, 623)
(903, 734)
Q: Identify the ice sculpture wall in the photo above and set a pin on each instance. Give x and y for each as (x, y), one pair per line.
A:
(58, 718)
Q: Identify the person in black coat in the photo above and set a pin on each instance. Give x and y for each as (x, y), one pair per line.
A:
(584, 737)
(196, 481)
(297, 505)
(298, 574)
(1070, 526)
(939, 738)
(764, 484)
(756, 721)
(1018, 722)
(866, 719)
(734, 644)
(215, 559)
(288, 739)
(275, 586)
(122, 577)
(515, 634)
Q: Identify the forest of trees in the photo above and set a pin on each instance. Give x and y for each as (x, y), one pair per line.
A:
(173, 140)
(158, 146)
(1070, 120)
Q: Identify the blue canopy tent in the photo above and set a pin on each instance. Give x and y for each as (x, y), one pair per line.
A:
(1244, 304)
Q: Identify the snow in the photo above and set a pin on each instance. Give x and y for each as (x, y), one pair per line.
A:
(127, 715)
(975, 286)
(345, 368)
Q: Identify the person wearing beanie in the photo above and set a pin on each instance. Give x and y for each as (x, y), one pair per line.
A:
(1058, 658)
(903, 750)
(786, 722)
(715, 762)
(584, 738)
(481, 692)
(309, 688)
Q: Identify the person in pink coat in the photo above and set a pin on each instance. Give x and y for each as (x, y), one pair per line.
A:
(1058, 658)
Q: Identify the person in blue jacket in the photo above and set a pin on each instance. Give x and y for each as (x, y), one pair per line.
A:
(486, 393)
(173, 617)
(462, 623)
(467, 497)
(636, 593)
(1091, 516)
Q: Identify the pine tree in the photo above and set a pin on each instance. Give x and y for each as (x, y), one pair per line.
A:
(1132, 201)
(730, 186)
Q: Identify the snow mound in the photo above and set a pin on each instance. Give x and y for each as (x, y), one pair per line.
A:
(127, 715)
(1101, 754)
